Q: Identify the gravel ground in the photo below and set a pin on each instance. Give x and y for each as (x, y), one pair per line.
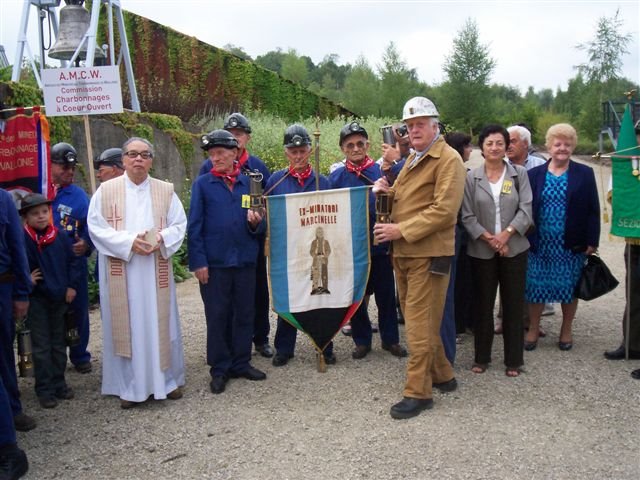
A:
(571, 415)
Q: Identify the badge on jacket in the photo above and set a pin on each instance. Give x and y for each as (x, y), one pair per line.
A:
(507, 186)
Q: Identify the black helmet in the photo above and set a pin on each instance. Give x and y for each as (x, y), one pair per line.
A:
(218, 138)
(237, 120)
(64, 154)
(31, 200)
(351, 129)
(111, 157)
(295, 136)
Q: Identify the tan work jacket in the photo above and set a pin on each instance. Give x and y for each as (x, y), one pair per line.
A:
(426, 200)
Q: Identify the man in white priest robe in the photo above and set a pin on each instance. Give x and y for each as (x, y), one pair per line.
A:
(136, 223)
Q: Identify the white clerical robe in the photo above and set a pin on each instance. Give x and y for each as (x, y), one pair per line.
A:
(140, 376)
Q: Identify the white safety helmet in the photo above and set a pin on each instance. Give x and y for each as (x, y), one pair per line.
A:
(419, 107)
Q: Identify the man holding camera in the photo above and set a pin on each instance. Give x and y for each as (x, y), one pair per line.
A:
(358, 170)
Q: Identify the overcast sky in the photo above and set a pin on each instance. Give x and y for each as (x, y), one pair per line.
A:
(533, 42)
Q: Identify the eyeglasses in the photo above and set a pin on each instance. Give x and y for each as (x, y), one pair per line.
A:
(133, 154)
(351, 145)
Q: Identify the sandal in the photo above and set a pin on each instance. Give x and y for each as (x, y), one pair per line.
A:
(512, 372)
(479, 368)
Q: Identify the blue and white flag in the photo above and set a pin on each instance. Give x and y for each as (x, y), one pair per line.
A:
(318, 258)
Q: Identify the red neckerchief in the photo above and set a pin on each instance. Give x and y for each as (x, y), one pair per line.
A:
(301, 176)
(42, 239)
(228, 178)
(357, 169)
(244, 156)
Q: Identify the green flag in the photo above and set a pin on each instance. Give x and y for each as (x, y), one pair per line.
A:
(625, 202)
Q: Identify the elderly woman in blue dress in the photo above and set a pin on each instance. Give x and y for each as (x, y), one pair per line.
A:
(566, 212)
(496, 211)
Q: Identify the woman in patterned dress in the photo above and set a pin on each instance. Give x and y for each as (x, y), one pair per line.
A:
(566, 212)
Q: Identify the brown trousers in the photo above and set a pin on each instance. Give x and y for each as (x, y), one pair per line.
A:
(422, 296)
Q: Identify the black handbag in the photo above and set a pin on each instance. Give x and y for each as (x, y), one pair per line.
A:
(596, 279)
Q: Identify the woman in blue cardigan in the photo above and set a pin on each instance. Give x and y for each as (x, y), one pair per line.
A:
(566, 212)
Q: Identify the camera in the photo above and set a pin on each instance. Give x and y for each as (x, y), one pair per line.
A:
(387, 135)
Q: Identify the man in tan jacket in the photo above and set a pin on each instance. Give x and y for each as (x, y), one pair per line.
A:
(426, 198)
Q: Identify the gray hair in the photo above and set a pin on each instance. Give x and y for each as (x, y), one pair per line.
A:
(137, 139)
(522, 132)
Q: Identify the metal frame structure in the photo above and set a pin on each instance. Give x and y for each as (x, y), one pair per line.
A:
(89, 38)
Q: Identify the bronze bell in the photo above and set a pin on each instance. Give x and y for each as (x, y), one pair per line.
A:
(74, 23)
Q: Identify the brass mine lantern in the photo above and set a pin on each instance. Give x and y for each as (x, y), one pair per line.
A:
(25, 349)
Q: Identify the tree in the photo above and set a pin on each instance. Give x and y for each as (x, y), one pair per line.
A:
(605, 51)
(237, 51)
(469, 61)
(271, 60)
(361, 88)
(466, 92)
(398, 82)
(295, 68)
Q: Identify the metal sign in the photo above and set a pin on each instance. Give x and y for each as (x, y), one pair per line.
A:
(82, 91)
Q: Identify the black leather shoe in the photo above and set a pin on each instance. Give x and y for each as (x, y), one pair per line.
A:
(530, 346)
(330, 359)
(618, 354)
(265, 350)
(83, 367)
(396, 350)
(281, 359)
(360, 351)
(13, 462)
(65, 393)
(449, 386)
(251, 373)
(218, 383)
(48, 402)
(636, 374)
(565, 346)
(410, 407)
(23, 422)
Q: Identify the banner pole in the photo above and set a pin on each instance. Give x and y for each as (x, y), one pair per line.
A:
(316, 135)
(87, 134)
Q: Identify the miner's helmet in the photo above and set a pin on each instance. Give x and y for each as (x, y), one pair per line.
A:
(218, 138)
(296, 136)
(419, 107)
(352, 128)
(64, 154)
(111, 157)
(237, 120)
(31, 200)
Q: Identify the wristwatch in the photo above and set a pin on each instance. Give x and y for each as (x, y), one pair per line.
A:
(510, 230)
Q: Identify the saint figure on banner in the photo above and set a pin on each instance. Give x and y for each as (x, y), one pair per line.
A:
(320, 251)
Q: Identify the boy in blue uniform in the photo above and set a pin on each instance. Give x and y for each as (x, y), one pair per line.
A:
(238, 125)
(358, 170)
(223, 249)
(70, 207)
(55, 273)
(298, 177)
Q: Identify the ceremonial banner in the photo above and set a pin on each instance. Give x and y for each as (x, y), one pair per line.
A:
(24, 154)
(625, 203)
(318, 258)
